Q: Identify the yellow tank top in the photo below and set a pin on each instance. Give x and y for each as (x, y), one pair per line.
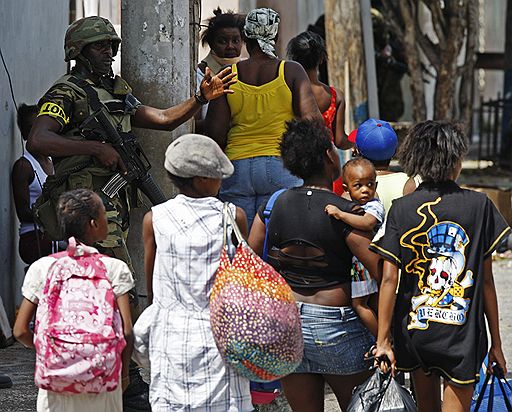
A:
(258, 116)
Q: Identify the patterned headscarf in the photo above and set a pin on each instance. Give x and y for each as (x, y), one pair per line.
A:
(262, 25)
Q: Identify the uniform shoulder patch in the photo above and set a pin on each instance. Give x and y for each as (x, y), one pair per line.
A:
(54, 110)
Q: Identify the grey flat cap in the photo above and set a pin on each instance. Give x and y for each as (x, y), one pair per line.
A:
(194, 155)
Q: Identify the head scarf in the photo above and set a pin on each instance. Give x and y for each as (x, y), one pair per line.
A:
(262, 25)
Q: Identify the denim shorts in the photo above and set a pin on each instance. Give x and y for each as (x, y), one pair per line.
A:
(335, 340)
(254, 181)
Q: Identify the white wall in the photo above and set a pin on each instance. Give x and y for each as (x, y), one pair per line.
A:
(31, 39)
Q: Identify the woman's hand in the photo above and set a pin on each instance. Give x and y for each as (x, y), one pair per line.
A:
(215, 86)
(496, 355)
(385, 357)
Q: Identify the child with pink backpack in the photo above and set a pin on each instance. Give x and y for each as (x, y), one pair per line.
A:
(83, 328)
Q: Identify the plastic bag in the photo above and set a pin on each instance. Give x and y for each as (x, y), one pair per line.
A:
(494, 396)
(379, 393)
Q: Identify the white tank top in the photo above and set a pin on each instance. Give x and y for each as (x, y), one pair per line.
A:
(35, 188)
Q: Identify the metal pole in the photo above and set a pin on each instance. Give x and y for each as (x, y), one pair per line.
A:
(156, 61)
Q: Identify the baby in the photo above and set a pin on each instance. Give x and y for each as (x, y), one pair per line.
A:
(360, 181)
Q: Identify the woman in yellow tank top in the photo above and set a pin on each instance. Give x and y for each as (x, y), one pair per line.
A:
(249, 123)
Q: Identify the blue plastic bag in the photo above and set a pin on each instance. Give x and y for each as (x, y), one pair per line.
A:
(495, 396)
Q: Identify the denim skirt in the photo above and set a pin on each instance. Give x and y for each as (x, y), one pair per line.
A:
(335, 340)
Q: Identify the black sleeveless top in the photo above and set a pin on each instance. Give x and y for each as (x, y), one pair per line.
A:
(298, 218)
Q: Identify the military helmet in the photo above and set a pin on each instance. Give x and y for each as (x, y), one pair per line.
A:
(86, 31)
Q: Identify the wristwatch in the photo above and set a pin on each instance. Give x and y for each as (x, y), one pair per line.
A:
(200, 98)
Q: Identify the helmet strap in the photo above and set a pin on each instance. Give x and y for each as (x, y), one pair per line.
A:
(85, 62)
(87, 65)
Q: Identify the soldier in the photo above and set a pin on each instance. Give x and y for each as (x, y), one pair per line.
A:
(81, 161)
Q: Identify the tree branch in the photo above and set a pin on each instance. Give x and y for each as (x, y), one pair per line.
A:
(393, 18)
(467, 70)
(431, 50)
(439, 20)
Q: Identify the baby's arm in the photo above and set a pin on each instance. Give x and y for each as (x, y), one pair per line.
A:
(491, 313)
(366, 222)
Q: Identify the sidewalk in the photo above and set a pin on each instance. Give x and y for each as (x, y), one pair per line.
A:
(18, 362)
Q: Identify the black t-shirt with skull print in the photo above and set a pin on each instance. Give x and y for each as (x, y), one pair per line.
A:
(439, 236)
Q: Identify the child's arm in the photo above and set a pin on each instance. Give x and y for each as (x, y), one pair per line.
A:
(257, 235)
(123, 302)
(491, 313)
(149, 253)
(366, 222)
(387, 297)
(21, 330)
(241, 221)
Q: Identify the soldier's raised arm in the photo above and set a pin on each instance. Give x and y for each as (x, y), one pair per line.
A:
(211, 88)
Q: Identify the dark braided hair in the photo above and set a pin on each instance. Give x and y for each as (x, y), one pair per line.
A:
(75, 209)
(308, 49)
(432, 150)
(303, 147)
(221, 20)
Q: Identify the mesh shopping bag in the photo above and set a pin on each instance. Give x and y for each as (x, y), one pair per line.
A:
(253, 314)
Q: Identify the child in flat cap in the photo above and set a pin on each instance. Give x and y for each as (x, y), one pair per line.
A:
(183, 239)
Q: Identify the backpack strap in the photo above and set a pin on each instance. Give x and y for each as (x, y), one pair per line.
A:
(266, 215)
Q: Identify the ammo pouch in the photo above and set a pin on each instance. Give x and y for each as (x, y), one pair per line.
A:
(44, 208)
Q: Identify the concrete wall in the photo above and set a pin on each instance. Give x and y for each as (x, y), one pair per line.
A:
(31, 39)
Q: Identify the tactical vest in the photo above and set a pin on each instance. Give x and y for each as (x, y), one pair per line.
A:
(120, 116)
(74, 172)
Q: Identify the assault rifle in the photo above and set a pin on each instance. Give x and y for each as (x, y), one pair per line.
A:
(132, 155)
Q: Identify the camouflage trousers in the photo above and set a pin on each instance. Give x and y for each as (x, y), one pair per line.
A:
(115, 243)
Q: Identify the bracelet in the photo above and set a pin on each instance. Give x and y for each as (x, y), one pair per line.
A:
(200, 98)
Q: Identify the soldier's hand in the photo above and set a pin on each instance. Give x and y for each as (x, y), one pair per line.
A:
(215, 86)
(109, 158)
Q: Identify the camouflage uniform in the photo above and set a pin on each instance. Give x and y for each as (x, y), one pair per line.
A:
(68, 104)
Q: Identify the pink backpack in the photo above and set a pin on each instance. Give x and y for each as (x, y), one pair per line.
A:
(78, 331)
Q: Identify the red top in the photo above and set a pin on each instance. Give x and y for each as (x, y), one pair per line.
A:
(330, 113)
(329, 116)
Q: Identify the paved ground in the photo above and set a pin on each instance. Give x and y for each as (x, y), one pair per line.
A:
(18, 362)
